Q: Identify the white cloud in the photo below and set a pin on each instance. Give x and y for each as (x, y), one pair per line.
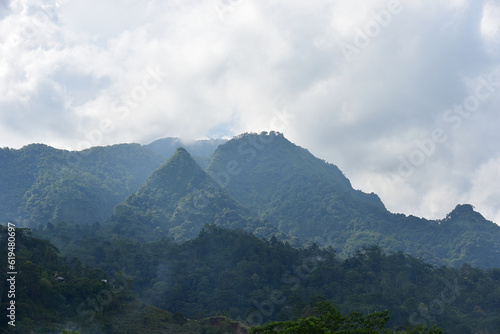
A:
(67, 66)
(490, 28)
(485, 190)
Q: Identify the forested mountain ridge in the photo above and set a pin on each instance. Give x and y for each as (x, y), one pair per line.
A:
(280, 162)
(43, 184)
(304, 196)
(262, 183)
(289, 186)
(40, 184)
(286, 230)
(176, 201)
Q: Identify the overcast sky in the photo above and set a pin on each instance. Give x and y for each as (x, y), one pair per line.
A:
(403, 96)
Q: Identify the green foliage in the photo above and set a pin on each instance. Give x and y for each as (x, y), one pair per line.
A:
(269, 188)
(236, 272)
(329, 320)
(41, 184)
(49, 288)
(261, 183)
(201, 150)
(310, 200)
(176, 201)
(82, 303)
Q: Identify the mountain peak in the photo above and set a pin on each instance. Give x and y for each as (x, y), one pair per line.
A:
(463, 208)
(177, 200)
(464, 211)
(275, 178)
(181, 149)
(156, 200)
(166, 147)
(176, 174)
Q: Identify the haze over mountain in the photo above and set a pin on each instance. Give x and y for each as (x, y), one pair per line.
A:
(309, 198)
(272, 175)
(201, 150)
(262, 183)
(176, 201)
(44, 184)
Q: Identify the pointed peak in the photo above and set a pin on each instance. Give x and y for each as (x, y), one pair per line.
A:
(181, 150)
(173, 177)
(180, 153)
(181, 159)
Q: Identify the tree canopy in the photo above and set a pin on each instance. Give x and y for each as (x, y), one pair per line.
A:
(329, 320)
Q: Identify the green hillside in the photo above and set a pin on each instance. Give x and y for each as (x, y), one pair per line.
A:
(233, 273)
(310, 199)
(261, 183)
(41, 184)
(54, 293)
(176, 201)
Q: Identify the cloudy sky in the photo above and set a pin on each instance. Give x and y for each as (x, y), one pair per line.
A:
(404, 96)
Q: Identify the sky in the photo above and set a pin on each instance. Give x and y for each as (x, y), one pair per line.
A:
(403, 96)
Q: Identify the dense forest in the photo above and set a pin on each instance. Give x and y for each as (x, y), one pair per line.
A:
(325, 319)
(262, 183)
(234, 274)
(254, 232)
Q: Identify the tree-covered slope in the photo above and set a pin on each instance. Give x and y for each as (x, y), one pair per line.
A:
(48, 290)
(176, 201)
(262, 183)
(257, 281)
(307, 198)
(55, 294)
(19, 170)
(40, 184)
(304, 196)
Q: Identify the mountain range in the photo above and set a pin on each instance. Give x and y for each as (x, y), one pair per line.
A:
(261, 183)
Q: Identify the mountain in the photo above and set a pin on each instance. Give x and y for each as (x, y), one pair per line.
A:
(475, 239)
(262, 183)
(269, 205)
(268, 161)
(289, 186)
(285, 184)
(201, 150)
(308, 198)
(40, 184)
(176, 201)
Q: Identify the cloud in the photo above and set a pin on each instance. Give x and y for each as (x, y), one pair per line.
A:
(4, 8)
(485, 185)
(73, 73)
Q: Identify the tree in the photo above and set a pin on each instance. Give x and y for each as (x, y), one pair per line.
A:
(329, 320)
(179, 318)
